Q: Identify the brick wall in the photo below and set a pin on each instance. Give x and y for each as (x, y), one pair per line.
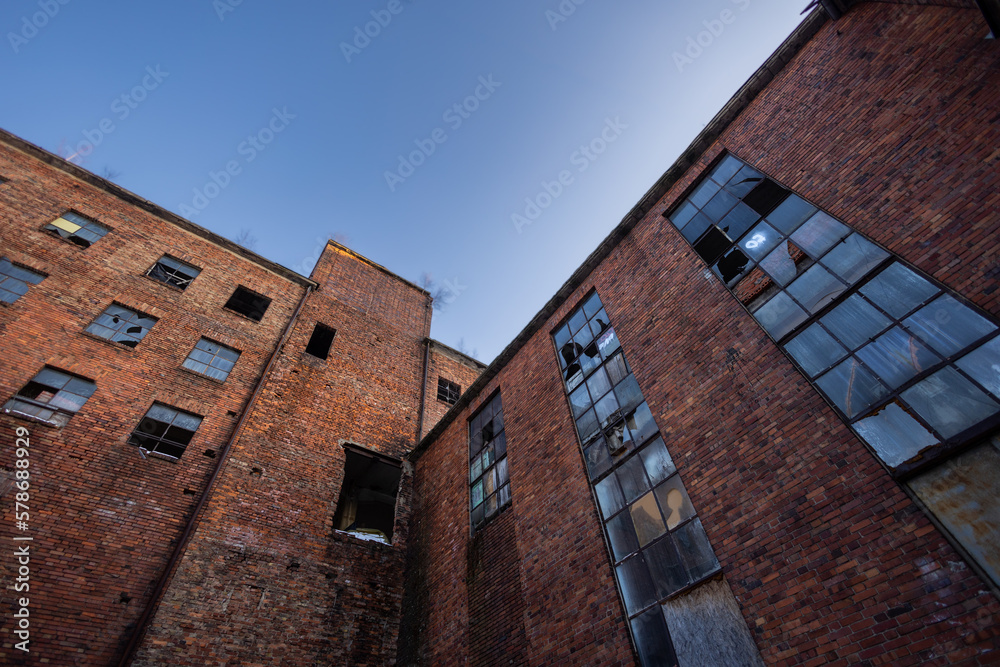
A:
(887, 120)
(451, 365)
(103, 519)
(308, 594)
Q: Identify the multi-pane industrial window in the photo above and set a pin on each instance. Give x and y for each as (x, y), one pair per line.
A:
(320, 341)
(248, 303)
(489, 481)
(51, 396)
(908, 365)
(212, 359)
(657, 542)
(14, 280)
(122, 325)
(77, 229)
(173, 272)
(448, 391)
(165, 431)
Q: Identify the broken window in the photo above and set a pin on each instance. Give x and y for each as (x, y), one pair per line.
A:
(212, 359)
(14, 280)
(248, 303)
(165, 431)
(76, 229)
(320, 341)
(657, 543)
(367, 505)
(52, 396)
(489, 479)
(173, 272)
(906, 363)
(122, 325)
(448, 391)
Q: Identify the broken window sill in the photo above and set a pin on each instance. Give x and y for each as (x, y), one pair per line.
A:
(201, 375)
(169, 286)
(31, 418)
(365, 537)
(108, 341)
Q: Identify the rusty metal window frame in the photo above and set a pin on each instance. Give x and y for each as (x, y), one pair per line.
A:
(489, 476)
(448, 391)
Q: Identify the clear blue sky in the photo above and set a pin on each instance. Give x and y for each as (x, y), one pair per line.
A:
(202, 76)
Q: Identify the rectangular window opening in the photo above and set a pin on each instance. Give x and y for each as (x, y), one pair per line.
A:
(367, 504)
(448, 391)
(248, 303)
(320, 341)
(165, 431)
(212, 359)
(76, 229)
(52, 396)
(15, 280)
(489, 478)
(121, 325)
(173, 272)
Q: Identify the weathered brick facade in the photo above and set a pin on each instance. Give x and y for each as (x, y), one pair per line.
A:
(886, 118)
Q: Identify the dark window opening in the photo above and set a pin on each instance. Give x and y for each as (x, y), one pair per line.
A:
(248, 303)
(165, 431)
(76, 229)
(173, 272)
(448, 391)
(320, 341)
(765, 197)
(122, 325)
(712, 244)
(52, 396)
(14, 280)
(367, 505)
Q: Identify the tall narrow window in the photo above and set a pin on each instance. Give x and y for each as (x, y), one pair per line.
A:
(173, 272)
(488, 477)
(76, 229)
(52, 396)
(14, 280)
(367, 504)
(911, 368)
(448, 391)
(658, 544)
(248, 303)
(320, 341)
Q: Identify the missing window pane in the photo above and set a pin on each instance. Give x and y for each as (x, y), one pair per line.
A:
(712, 245)
(765, 196)
(248, 303)
(321, 340)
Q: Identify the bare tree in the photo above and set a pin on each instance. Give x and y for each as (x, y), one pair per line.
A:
(110, 173)
(246, 239)
(438, 293)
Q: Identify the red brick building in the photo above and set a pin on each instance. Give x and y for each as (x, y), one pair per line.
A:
(757, 425)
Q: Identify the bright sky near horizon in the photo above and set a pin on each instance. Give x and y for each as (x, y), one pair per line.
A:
(490, 145)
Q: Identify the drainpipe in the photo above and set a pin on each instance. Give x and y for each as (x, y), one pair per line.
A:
(423, 385)
(147, 613)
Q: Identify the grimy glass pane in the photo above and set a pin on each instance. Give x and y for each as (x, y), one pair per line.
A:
(657, 461)
(598, 383)
(818, 234)
(616, 368)
(652, 639)
(637, 588)
(947, 325)
(628, 393)
(851, 387)
(790, 214)
(897, 290)
(784, 262)
(609, 496)
(695, 551)
(607, 408)
(949, 402)
(983, 364)
(760, 241)
(646, 517)
(815, 350)
(632, 477)
(683, 214)
(665, 566)
(598, 459)
(744, 181)
(622, 536)
(674, 502)
(641, 424)
(854, 257)
(855, 321)
(780, 315)
(579, 400)
(894, 435)
(587, 426)
(738, 220)
(896, 356)
(815, 288)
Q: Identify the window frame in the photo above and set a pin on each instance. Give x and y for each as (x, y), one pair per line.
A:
(58, 410)
(167, 273)
(481, 451)
(211, 363)
(161, 439)
(317, 340)
(81, 222)
(452, 391)
(344, 498)
(9, 279)
(121, 331)
(256, 310)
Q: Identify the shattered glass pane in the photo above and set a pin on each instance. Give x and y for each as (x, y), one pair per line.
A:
(949, 402)
(819, 233)
(600, 324)
(674, 501)
(760, 241)
(635, 583)
(641, 424)
(896, 356)
(983, 364)
(628, 394)
(898, 290)
(744, 181)
(647, 520)
(608, 344)
(756, 288)
(607, 410)
(815, 350)
(598, 459)
(851, 387)
(583, 337)
(712, 245)
(855, 321)
(657, 461)
(632, 478)
(609, 496)
(665, 566)
(815, 288)
(731, 266)
(622, 536)
(894, 435)
(780, 315)
(947, 325)
(785, 262)
(854, 257)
